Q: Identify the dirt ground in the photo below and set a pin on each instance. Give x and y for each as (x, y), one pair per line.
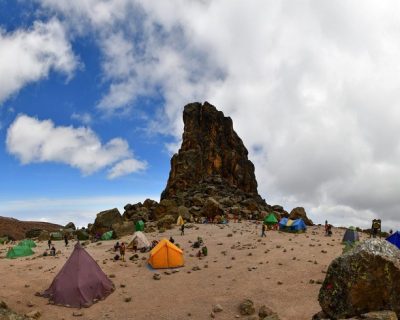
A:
(274, 271)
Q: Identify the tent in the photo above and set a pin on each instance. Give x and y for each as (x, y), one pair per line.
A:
(270, 219)
(180, 221)
(289, 225)
(351, 235)
(56, 236)
(166, 255)
(139, 226)
(19, 251)
(107, 235)
(298, 225)
(80, 282)
(394, 239)
(28, 243)
(140, 240)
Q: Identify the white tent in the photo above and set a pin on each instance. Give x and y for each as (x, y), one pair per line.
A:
(139, 240)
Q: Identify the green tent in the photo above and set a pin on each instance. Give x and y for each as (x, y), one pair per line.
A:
(139, 226)
(107, 235)
(56, 236)
(19, 251)
(27, 243)
(270, 219)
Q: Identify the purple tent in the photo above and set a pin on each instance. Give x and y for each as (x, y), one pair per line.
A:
(80, 283)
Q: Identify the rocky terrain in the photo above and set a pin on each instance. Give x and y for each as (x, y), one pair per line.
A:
(17, 230)
(210, 176)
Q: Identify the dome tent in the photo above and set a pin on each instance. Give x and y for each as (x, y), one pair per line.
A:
(166, 255)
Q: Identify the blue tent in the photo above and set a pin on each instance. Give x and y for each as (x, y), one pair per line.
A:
(282, 223)
(394, 239)
(298, 225)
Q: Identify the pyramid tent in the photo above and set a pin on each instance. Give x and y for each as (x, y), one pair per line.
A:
(80, 282)
(107, 235)
(351, 235)
(394, 239)
(166, 255)
(19, 251)
(270, 219)
(139, 226)
(180, 221)
(282, 223)
(28, 243)
(140, 240)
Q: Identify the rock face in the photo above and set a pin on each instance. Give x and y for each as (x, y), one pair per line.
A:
(212, 162)
(362, 280)
(105, 220)
(70, 225)
(299, 212)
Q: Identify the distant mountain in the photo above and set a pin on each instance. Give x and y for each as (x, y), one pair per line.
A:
(17, 229)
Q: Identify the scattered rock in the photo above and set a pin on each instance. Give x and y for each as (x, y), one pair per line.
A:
(246, 307)
(156, 276)
(217, 308)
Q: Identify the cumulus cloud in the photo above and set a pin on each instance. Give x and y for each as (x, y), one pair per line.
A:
(28, 55)
(312, 87)
(32, 140)
(125, 167)
(84, 117)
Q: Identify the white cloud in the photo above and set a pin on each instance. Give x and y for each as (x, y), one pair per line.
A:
(84, 117)
(311, 85)
(32, 140)
(125, 167)
(29, 55)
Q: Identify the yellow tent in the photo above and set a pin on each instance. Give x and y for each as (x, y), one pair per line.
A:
(180, 221)
(166, 255)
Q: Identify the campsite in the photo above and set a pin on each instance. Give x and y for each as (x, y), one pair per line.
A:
(281, 267)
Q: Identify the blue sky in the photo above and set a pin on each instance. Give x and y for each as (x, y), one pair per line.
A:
(92, 93)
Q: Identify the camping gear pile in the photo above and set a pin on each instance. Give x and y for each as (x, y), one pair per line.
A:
(289, 225)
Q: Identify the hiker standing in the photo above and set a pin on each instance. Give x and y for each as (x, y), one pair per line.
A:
(182, 229)
(66, 240)
(263, 231)
(49, 243)
(122, 251)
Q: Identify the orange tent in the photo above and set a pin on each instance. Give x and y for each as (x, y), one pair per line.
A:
(166, 255)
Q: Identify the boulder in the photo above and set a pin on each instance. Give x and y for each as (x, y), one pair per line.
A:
(362, 280)
(184, 213)
(44, 235)
(212, 208)
(166, 222)
(123, 228)
(82, 234)
(165, 207)
(33, 233)
(105, 220)
(299, 212)
(70, 225)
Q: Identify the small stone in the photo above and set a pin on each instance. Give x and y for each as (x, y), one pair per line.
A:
(35, 314)
(212, 314)
(30, 304)
(156, 276)
(111, 275)
(122, 285)
(246, 307)
(128, 299)
(27, 286)
(77, 314)
(279, 282)
(217, 308)
(311, 281)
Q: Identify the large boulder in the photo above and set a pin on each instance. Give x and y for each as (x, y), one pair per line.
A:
(105, 220)
(166, 207)
(33, 233)
(44, 235)
(70, 225)
(123, 228)
(212, 208)
(299, 212)
(362, 280)
(166, 222)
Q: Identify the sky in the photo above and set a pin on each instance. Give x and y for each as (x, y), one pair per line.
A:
(92, 94)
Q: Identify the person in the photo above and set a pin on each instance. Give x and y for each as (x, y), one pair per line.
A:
(326, 227)
(49, 243)
(329, 230)
(263, 231)
(172, 240)
(116, 246)
(183, 229)
(66, 240)
(53, 251)
(390, 231)
(204, 251)
(122, 251)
